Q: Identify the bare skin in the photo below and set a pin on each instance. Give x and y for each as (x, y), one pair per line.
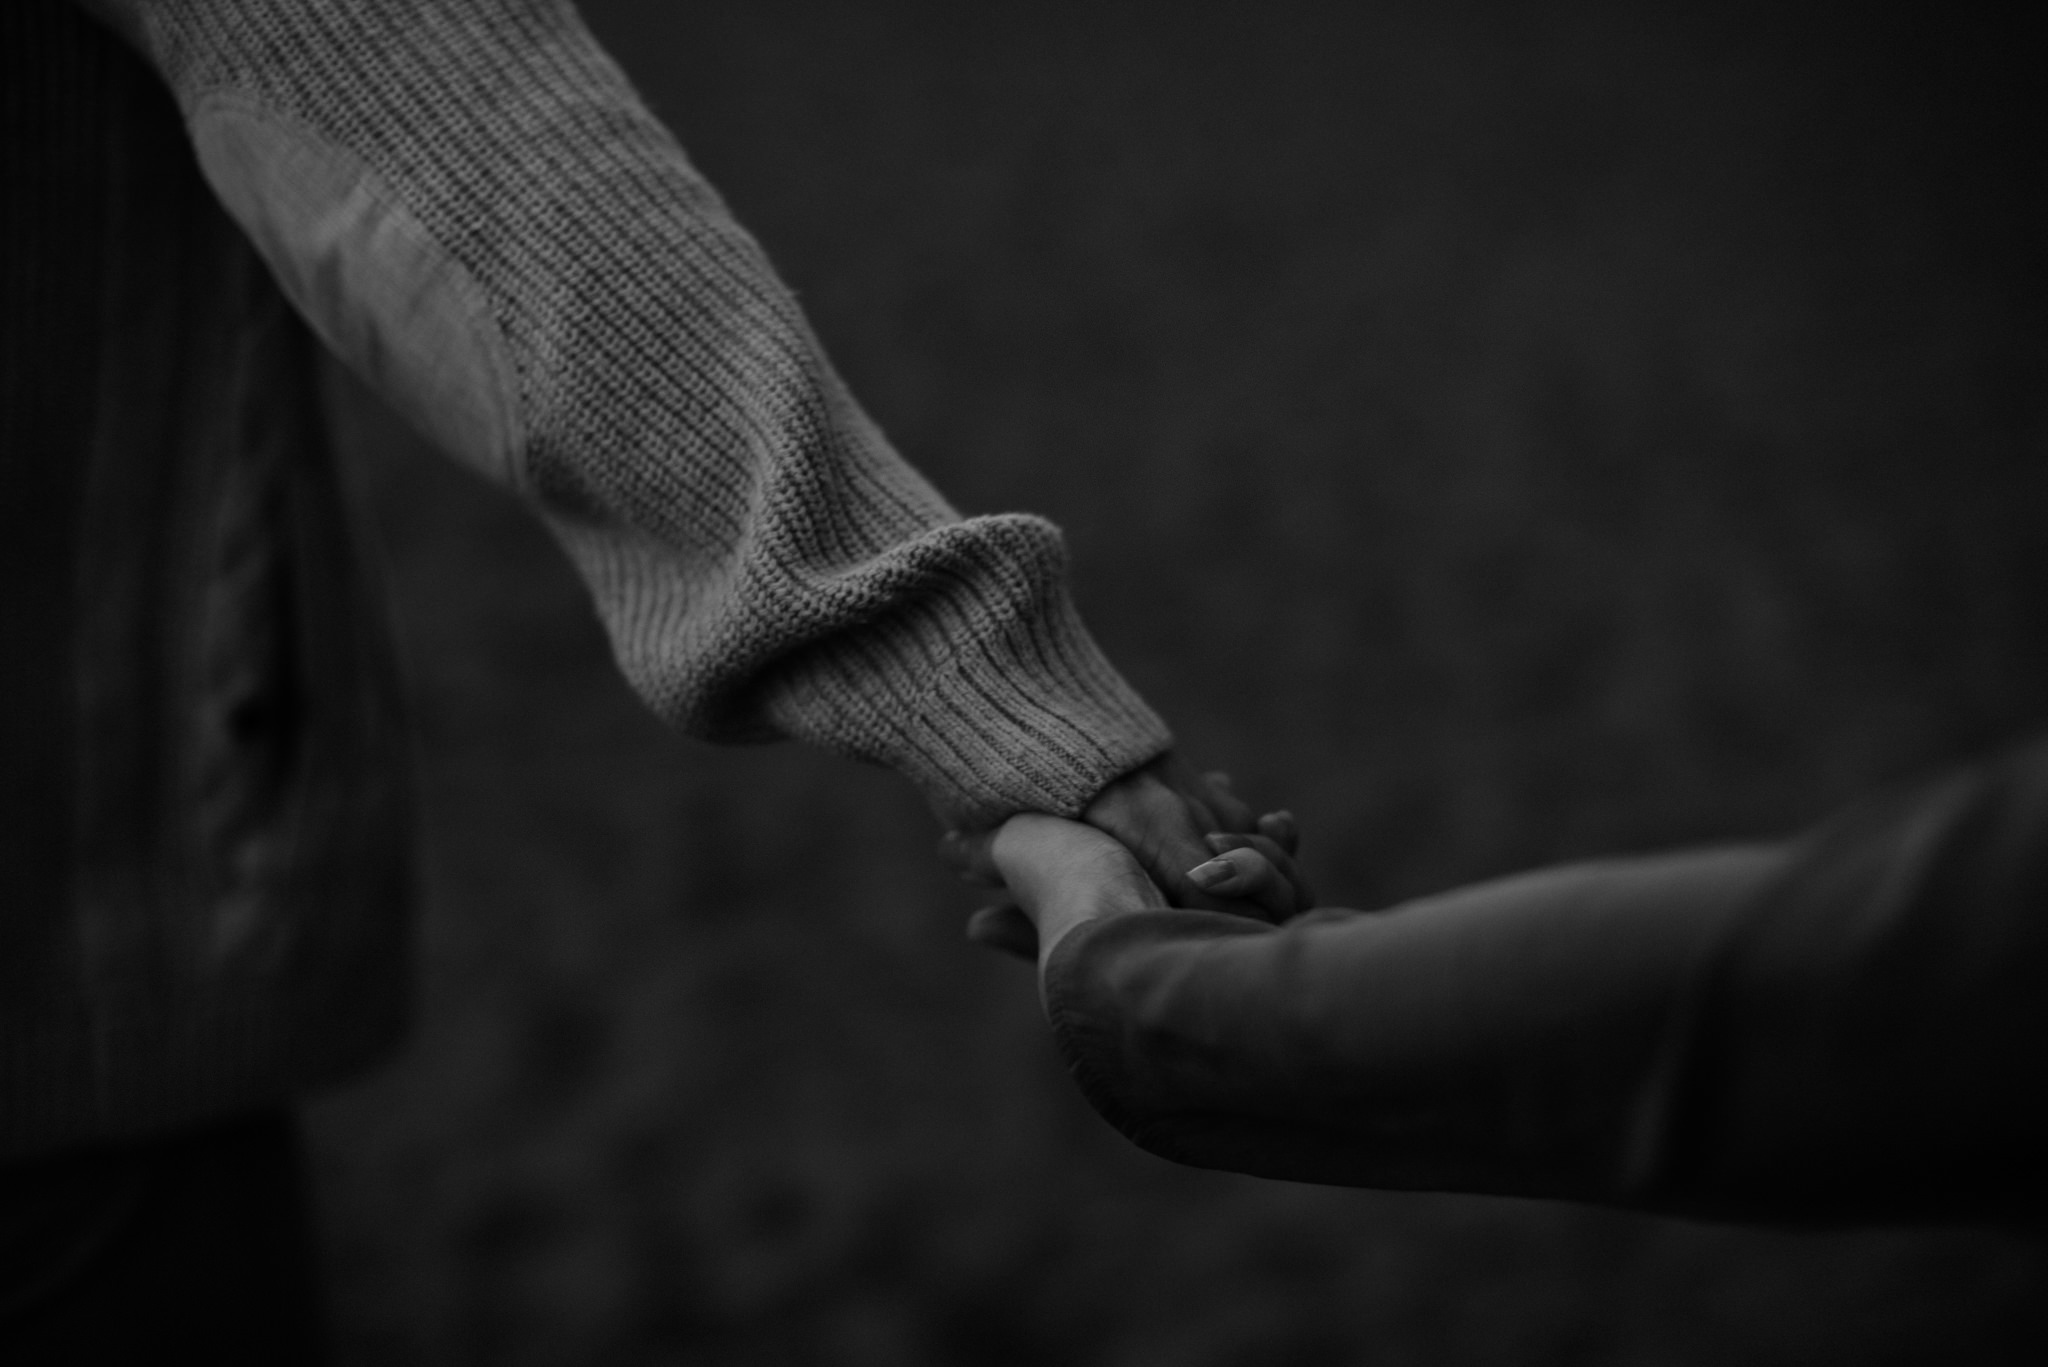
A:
(1188, 838)
(1064, 874)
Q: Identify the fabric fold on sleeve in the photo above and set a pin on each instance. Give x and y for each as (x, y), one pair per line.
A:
(473, 207)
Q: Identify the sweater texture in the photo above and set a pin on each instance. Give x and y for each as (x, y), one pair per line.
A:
(206, 908)
(765, 563)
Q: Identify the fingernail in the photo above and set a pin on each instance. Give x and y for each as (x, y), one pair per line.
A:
(1210, 874)
(1219, 841)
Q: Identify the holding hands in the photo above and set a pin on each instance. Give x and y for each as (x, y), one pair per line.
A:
(1161, 836)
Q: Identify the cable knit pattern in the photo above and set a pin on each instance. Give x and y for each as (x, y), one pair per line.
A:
(764, 561)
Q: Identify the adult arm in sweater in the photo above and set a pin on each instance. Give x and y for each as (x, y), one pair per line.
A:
(1848, 1026)
(470, 204)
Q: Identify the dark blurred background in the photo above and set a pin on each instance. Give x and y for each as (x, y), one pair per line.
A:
(1501, 433)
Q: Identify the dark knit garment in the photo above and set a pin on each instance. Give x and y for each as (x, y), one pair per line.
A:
(467, 202)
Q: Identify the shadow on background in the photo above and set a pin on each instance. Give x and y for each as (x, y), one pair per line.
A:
(1501, 436)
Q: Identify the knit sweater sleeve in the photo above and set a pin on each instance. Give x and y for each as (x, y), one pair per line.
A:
(470, 204)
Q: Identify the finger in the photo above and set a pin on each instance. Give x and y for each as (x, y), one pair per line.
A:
(1158, 812)
(1169, 782)
(1219, 841)
(1273, 853)
(1279, 887)
(970, 857)
(1246, 873)
(1216, 804)
(1064, 874)
(1280, 828)
(1209, 806)
(1050, 866)
(1006, 929)
(1155, 822)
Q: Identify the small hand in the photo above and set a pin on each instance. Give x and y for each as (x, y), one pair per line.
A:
(1173, 820)
(1064, 874)
(1257, 868)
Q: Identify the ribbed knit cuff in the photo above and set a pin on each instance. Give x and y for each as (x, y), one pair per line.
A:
(995, 702)
(616, 347)
(1034, 719)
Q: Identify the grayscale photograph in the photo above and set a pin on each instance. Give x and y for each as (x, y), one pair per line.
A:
(1043, 683)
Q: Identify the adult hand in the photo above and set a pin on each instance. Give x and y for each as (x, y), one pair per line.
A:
(1165, 812)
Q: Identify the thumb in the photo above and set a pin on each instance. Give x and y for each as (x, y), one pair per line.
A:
(1063, 873)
